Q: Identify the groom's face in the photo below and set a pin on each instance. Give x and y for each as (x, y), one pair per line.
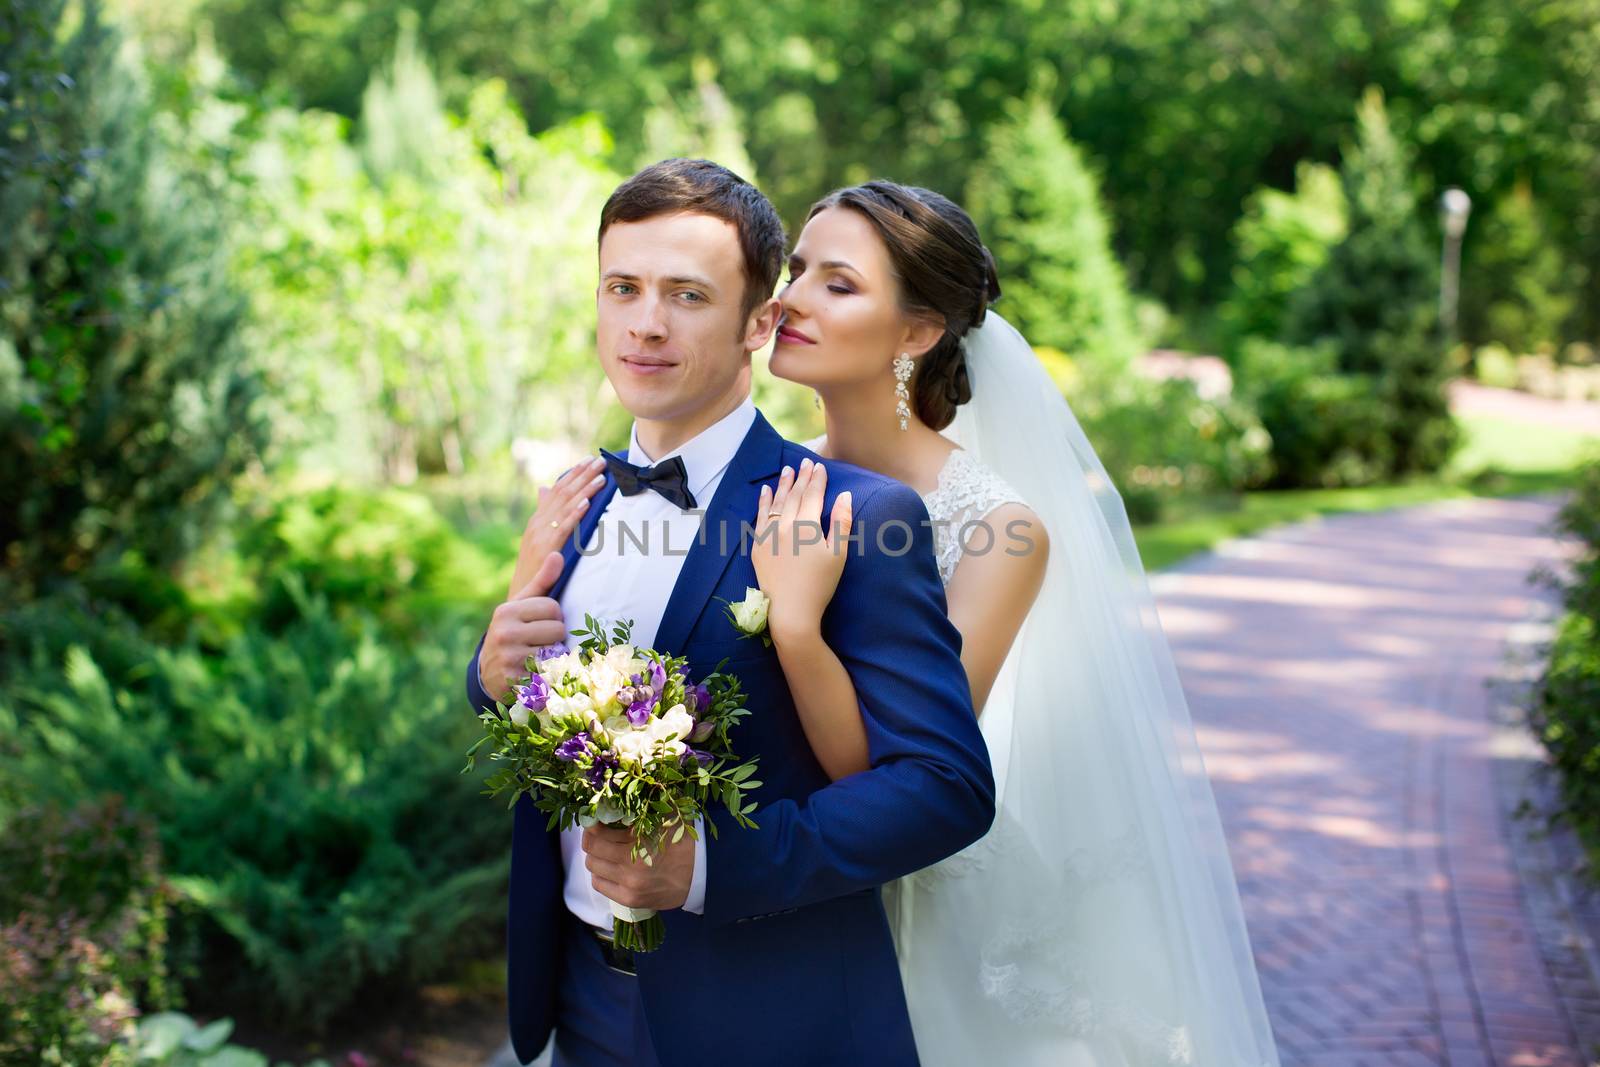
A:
(673, 336)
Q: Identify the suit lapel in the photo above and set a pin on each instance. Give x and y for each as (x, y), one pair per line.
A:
(760, 456)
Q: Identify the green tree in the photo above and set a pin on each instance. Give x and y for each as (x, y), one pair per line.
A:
(1038, 207)
(423, 304)
(128, 404)
(1375, 299)
(1186, 106)
(1516, 288)
(1282, 240)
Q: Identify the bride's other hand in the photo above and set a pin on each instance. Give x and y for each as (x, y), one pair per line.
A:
(556, 516)
(797, 567)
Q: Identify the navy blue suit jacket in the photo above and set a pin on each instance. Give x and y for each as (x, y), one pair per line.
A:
(792, 961)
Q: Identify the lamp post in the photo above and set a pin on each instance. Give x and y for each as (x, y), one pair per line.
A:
(1454, 207)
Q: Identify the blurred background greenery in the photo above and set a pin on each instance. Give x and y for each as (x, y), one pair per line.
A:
(296, 309)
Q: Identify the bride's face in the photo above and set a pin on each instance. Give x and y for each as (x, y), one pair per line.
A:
(842, 320)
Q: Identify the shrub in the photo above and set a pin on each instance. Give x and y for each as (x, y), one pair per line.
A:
(1496, 367)
(83, 924)
(1565, 710)
(99, 865)
(383, 554)
(60, 1000)
(305, 783)
(1326, 429)
(1160, 439)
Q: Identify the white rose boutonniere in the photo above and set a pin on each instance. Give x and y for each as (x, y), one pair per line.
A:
(749, 616)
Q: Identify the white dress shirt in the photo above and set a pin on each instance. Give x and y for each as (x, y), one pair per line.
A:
(617, 578)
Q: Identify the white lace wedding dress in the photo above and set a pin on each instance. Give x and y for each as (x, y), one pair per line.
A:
(966, 987)
(1098, 923)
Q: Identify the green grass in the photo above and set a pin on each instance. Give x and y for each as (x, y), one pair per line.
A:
(1497, 458)
(1514, 447)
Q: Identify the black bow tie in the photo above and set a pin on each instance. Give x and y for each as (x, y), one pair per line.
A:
(667, 478)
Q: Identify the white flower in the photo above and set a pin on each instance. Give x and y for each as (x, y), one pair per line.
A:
(519, 713)
(625, 660)
(579, 704)
(557, 667)
(750, 614)
(604, 681)
(633, 747)
(676, 722)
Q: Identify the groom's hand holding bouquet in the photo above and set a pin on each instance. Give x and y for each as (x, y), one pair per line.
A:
(614, 736)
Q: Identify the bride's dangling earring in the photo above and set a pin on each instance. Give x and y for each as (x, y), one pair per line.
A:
(816, 400)
(902, 374)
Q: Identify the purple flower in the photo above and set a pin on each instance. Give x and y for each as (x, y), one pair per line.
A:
(699, 754)
(639, 712)
(658, 676)
(536, 694)
(551, 651)
(701, 732)
(604, 762)
(573, 747)
(699, 698)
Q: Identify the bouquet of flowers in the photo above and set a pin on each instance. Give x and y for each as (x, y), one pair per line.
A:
(614, 734)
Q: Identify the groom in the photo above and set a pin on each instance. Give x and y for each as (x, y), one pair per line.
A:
(777, 950)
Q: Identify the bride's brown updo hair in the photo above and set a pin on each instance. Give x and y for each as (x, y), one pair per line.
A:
(943, 269)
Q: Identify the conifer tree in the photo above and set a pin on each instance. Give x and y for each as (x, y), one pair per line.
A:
(127, 403)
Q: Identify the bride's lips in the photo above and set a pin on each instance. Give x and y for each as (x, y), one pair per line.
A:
(788, 335)
(647, 364)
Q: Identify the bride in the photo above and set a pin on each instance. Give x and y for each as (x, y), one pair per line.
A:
(1098, 924)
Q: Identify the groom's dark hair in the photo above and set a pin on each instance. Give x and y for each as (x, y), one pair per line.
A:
(706, 188)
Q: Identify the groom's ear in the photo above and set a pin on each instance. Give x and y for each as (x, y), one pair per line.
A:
(762, 324)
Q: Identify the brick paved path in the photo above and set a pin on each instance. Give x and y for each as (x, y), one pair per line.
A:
(1336, 672)
(1470, 398)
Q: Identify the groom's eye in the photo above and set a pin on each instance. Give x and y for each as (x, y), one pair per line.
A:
(622, 289)
(693, 297)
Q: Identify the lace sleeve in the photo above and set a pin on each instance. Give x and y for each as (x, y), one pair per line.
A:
(967, 491)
